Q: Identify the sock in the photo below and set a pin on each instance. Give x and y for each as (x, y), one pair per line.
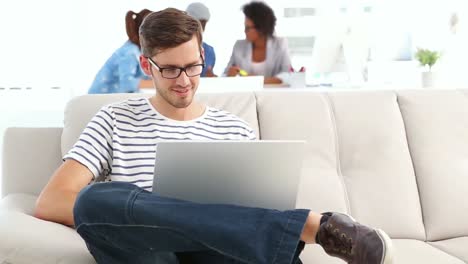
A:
(323, 220)
(325, 217)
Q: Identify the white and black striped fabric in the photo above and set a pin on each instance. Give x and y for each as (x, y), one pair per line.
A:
(120, 142)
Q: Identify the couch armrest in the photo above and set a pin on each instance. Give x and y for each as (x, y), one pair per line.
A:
(19, 202)
(26, 239)
(30, 156)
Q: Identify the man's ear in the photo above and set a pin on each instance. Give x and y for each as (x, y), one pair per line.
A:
(203, 54)
(145, 65)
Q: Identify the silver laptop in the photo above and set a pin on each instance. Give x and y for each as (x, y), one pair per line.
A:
(261, 174)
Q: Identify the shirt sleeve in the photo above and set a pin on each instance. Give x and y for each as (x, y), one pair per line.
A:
(214, 56)
(94, 146)
(251, 135)
(232, 60)
(285, 60)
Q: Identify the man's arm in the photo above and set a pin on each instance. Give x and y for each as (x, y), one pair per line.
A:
(56, 201)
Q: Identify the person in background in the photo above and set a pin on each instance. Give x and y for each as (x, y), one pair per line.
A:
(202, 14)
(261, 53)
(122, 73)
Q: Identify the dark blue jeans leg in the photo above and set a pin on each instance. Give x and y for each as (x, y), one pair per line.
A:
(204, 257)
(121, 223)
(106, 252)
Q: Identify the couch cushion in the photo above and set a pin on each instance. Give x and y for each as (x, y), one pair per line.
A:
(375, 162)
(437, 127)
(19, 202)
(456, 246)
(30, 156)
(306, 116)
(356, 141)
(25, 240)
(406, 251)
(315, 254)
(80, 110)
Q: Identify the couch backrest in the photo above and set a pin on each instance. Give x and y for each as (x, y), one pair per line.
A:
(436, 124)
(358, 159)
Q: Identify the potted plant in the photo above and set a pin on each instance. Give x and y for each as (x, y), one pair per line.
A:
(427, 58)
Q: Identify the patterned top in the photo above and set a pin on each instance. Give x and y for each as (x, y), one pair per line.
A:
(121, 73)
(120, 142)
(210, 58)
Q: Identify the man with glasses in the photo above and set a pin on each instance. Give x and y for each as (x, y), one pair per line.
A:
(122, 221)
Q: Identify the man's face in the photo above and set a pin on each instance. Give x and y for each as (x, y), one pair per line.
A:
(178, 92)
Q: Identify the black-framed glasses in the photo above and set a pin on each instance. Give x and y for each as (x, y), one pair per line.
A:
(174, 72)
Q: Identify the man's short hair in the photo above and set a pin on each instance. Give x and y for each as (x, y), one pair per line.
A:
(168, 29)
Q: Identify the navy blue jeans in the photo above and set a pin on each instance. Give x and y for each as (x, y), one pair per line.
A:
(122, 223)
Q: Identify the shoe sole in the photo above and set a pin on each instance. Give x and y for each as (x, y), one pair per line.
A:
(388, 250)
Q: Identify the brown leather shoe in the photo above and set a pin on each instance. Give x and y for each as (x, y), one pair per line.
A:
(343, 237)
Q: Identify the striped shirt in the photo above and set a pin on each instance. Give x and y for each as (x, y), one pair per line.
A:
(120, 141)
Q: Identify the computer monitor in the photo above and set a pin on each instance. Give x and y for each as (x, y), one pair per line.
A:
(327, 54)
(341, 49)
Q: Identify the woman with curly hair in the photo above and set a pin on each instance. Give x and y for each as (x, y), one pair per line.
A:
(261, 52)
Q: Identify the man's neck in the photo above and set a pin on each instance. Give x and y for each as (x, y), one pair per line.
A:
(193, 111)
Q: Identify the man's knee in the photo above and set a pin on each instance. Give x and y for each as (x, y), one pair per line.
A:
(84, 203)
(97, 199)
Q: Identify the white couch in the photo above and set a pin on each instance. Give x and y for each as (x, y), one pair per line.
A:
(397, 160)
